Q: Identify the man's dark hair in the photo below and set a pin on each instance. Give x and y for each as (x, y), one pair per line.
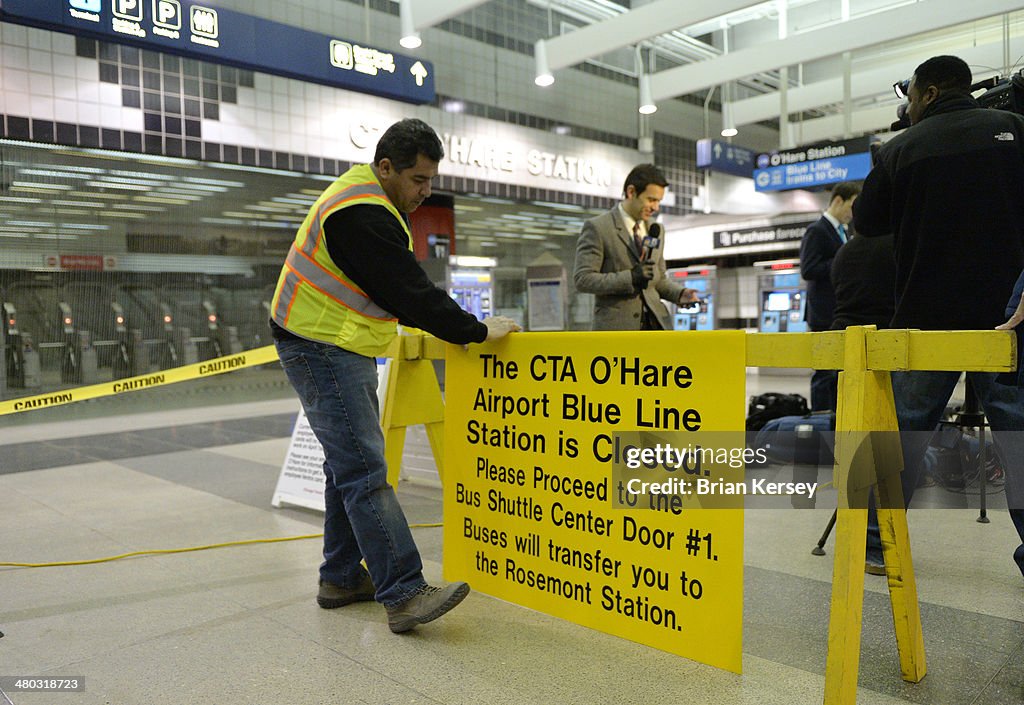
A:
(845, 190)
(643, 175)
(947, 73)
(404, 141)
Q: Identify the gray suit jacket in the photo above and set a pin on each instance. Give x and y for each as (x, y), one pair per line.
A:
(605, 257)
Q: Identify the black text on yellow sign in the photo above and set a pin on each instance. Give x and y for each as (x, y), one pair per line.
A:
(534, 514)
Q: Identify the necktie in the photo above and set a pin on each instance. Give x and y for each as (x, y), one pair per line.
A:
(842, 232)
(637, 240)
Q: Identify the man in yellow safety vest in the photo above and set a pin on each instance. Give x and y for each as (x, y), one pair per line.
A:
(349, 279)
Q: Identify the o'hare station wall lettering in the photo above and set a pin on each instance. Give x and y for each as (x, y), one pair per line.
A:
(536, 510)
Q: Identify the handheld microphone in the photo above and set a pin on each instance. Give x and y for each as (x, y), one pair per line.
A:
(651, 242)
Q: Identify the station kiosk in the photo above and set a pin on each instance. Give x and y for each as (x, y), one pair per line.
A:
(472, 288)
(782, 297)
(701, 314)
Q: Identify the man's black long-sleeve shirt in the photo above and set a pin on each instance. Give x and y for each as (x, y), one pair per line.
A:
(372, 249)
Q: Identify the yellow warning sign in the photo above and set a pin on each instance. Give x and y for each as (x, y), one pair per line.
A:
(208, 368)
(548, 437)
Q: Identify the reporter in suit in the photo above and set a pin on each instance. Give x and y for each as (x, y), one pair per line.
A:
(818, 248)
(627, 279)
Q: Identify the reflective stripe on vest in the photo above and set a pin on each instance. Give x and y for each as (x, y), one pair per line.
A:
(313, 274)
(369, 191)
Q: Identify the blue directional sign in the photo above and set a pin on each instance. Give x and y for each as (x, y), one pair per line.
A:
(203, 30)
(815, 172)
(724, 157)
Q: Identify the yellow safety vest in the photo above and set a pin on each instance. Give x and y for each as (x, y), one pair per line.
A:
(314, 299)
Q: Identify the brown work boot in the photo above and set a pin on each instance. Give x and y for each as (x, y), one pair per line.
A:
(330, 595)
(426, 605)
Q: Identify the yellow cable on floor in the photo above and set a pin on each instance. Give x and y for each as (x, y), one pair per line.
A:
(156, 552)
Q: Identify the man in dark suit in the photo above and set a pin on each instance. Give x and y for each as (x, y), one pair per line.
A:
(817, 250)
(627, 279)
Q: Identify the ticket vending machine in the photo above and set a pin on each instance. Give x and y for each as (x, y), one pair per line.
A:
(472, 288)
(701, 314)
(783, 297)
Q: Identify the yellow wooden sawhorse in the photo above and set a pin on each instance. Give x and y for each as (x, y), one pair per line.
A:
(867, 456)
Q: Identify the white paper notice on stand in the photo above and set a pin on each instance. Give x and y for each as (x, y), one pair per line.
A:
(301, 482)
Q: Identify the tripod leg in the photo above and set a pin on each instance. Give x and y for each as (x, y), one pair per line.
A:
(982, 473)
(819, 550)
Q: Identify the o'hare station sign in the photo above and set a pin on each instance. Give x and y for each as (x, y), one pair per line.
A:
(538, 510)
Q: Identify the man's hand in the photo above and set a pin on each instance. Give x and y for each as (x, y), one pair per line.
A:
(500, 326)
(643, 272)
(1015, 319)
(688, 296)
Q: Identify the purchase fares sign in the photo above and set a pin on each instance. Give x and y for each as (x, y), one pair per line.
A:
(201, 29)
(813, 165)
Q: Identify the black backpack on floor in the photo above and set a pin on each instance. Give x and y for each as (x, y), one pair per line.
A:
(765, 407)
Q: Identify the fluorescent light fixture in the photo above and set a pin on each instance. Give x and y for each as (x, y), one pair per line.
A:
(157, 199)
(54, 173)
(141, 175)
(31, 224)
(96, 194)
(81, 204)
(562, 130)
(260, 170)
(214, 182)
(453, 106)
(222, 221)
(84, 226)
(6, 234)
(471, 261)
(33, 186)
(55, 236)
(647, 105)
(122, 186)
(558, 206)
(266, 208)
(275, 224)
(410, 37)
(20, 199)
(543, 77)
(124, 214)
(137, 207)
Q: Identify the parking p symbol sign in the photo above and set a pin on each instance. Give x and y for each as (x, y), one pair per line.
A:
(167, 14)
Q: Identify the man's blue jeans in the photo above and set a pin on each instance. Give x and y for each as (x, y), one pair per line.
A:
(338, 390)
(921, 398)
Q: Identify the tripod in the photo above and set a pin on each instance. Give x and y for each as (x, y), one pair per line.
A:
(969, 416)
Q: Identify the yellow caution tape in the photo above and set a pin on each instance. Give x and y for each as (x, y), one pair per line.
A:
(207, 368)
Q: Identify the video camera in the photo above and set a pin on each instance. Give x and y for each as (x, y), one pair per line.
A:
(1000, 94)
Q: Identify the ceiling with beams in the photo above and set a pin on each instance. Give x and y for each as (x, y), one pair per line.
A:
(814, 69)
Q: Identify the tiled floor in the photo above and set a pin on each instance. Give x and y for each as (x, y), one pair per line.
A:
(239, 625)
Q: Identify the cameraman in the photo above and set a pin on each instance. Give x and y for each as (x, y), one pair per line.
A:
(951, 189)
